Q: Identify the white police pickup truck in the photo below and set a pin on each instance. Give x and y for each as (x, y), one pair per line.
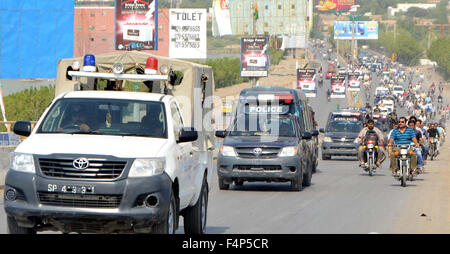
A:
(112, 162)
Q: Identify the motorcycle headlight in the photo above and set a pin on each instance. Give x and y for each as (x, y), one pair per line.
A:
(22, 162)
(228, 151)
(147, 167)
(288, 151)
(327, 139)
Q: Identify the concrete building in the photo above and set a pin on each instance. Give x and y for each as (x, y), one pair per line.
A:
(94, 23)
(404, 7)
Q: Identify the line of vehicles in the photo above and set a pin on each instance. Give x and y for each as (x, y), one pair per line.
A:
(104, 161)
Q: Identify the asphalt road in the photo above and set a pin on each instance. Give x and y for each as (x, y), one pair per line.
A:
(341, 199)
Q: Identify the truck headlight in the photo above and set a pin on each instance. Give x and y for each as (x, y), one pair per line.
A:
(327, 139)
(288, 151)
(228, 151)
(22, 162)
(146, 167)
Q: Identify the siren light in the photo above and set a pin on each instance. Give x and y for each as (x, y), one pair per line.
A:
(89, 63)
(151, 67)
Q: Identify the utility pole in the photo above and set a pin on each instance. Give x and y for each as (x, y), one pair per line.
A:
(253, 80)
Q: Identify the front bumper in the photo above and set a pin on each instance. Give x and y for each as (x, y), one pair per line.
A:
(37, 205)
(279, 169)
(339, 149)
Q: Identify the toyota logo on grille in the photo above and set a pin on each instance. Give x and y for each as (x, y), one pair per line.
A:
(257, 151)
(81, 163)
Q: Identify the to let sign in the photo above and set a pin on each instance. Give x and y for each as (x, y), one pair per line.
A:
(187, 33)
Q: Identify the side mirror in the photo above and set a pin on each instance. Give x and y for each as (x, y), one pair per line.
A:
(22, 128)
(315, 133)
(322, 130)
(220, 134)
(187, 134)
(307, 135)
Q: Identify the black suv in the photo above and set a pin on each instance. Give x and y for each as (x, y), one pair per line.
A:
(341, 134)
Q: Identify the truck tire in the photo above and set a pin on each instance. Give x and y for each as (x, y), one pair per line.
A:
(307, 178)
(238, 182)
(296, 184)
(326, 157)
(223, 185)
(168, 225)
(14, 228)
(196, 216)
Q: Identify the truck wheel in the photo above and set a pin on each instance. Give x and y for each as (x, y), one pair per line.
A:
(238, 182)
(195, 217)
(14, 228)
(296, 184)
(307, 178)
(223, 185)
(169, 223)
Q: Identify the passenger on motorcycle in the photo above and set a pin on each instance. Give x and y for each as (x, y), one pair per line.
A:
(403, 135)
(373, 133)
(425, 136)
(412, 125)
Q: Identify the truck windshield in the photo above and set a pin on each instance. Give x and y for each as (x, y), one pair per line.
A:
(344, 126)
(259, 125)
(106, 117)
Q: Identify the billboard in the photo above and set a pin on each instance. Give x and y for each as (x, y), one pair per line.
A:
(136, 23)
(34, 35)
(254, 56)
(275, 17)
(364, 30)
(306, 81)
(338, 86)
(221, 18)
(337, 5)
(187, 34)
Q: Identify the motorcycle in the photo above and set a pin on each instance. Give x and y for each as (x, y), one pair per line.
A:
(321, 80)
(404, 171)
(371, 155)
(433, 148)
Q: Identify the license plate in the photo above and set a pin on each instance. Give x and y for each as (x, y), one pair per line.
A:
(370, 146)
(74, 189)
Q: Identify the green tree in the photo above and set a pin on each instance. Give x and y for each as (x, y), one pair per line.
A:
(28, 104)
(440, 52)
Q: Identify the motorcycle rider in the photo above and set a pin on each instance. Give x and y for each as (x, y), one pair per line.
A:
(328, 94)
(403, 135)
(376, 109)
(434, 133)
(362, 140)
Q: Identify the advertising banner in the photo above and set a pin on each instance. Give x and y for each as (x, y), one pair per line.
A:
(337, 5)
(306, 81)
(364, 30)
(354, 81)
(338, 86)
(187, 34)
(136, 24)
(222, 20)
(254, 57)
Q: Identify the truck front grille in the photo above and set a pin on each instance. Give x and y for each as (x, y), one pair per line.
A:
(98, 169)
(78, 200)
(267, 152)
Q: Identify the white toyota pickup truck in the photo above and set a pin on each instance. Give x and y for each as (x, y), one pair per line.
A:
(109, 162)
